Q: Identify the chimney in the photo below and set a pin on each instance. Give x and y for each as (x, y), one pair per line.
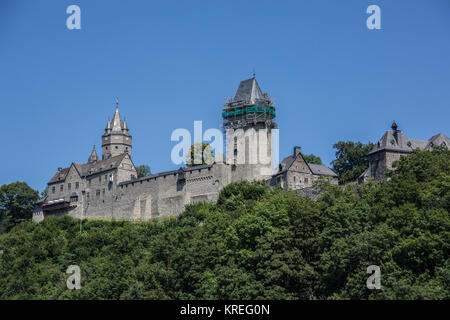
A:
(297, 150)
(59, 169)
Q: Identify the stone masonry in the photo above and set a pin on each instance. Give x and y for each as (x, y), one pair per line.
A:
(109, 188)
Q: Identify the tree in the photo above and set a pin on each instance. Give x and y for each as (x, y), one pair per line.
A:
(200, 153)
(351, 160)
(16, 204)
(253, 243)
(142, 171)
(44, 192)
(310, 158)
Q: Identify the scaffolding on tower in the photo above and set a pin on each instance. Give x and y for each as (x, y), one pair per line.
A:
(249, 108)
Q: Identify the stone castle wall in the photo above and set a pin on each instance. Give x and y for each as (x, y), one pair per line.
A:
(160, 195)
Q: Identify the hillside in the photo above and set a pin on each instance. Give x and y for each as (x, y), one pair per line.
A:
(254, 243)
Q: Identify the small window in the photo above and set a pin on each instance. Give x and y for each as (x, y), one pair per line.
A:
(77, 185)
(306, 180)
(61, 187)
(100, 179)
(103, 191)
(117, 147)
(53, 189)
(97, 192)
(69, 186)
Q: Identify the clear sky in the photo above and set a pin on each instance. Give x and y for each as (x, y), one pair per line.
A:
(173, 62)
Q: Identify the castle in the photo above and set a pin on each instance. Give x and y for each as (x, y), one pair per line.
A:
(109, 188)
(393, 145)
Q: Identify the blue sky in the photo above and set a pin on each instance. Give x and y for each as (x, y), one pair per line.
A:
(173, 62)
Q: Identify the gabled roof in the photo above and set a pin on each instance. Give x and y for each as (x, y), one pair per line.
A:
(103, 165)
(321, 170)
(317, 169)
(88, 169)
(248, 91)
(60, 175)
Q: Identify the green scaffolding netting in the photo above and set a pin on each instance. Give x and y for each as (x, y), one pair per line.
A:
(249, 109)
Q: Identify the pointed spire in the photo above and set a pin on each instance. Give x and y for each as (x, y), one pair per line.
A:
(94, 156)
(117, 123)
(108, 125)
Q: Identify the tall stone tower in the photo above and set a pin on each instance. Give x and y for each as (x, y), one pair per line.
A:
(248, 120)
(116, 140)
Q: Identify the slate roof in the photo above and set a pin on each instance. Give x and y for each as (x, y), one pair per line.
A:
(103, 165)
(117, 125)
(321, 170)
(317, 169)
(439, 139)
(249, 90)
(89, 168)
(396, 140)
(60, 175)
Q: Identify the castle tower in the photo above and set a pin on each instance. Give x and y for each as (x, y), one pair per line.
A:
(248, 119)
(116, 140)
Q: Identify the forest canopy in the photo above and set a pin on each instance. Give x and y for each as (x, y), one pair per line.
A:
(253, 243)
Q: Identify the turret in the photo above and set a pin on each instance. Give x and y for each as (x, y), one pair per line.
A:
(116, 140)
(94, 156)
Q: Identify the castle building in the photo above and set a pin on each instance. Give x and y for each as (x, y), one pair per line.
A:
(109, 188)
(393, 145)
(295, 173)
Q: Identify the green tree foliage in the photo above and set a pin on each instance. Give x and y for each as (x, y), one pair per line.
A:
(351, 160)
(44, 192)
(310, 158)
(201, 153)
(16, 204)
(253, 243)
(142, 171)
